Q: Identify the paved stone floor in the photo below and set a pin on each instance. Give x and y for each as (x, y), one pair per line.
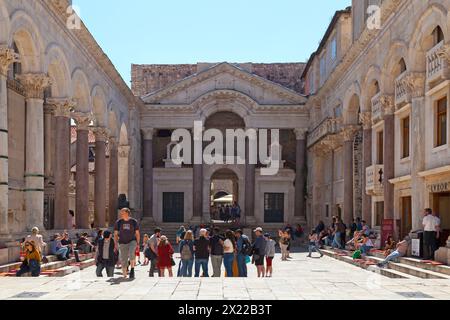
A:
(298, 279)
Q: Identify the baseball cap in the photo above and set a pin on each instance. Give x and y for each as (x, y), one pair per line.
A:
(258, 229)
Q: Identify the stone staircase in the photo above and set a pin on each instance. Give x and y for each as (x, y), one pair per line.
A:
(53, 268)
(404, 268)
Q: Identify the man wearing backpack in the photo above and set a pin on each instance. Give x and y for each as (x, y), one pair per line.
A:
(216, 244)
(244, 248)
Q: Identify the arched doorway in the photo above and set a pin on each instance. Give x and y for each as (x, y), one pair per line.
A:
(224, 192)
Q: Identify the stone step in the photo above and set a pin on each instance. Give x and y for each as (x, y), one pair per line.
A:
(367, 265)
(443, 269)
(412, 270)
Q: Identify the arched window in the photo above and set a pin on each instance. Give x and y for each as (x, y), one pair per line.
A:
(438, 35)
(402, 65)
(16, 68)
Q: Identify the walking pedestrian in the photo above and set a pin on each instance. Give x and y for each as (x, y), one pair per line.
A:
(153, 253)
(216, 244)
(187, 254)
(270, 254)
(259, 251)
(201, 250)
(313, 244)
(165, 254)
(127, 239)
(146, 249)
(106, 258)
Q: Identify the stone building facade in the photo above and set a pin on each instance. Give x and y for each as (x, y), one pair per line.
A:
(389, 85)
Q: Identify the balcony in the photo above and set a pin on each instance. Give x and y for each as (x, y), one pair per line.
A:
(374, 180)
(329, 126)
(402, 95)
(437, 65)
(377, 109)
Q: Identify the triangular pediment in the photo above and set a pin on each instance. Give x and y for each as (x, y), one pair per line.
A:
(224, 76)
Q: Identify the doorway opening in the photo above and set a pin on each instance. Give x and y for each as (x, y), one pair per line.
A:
(441, 205)
(224, 196)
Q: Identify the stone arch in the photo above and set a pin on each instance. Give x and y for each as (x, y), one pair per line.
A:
(4, 23)
(352, 104)
(422, 39)
(224, 100)
(99, 106)
(371, 86)
(25, 34)
(123, 136)
(391, 66)
(57, 68)
(113, 125)
(80, 89)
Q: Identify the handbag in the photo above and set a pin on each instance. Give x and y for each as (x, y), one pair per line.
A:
(173, 262)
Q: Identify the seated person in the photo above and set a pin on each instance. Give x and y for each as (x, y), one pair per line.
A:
(401, 251)
(365, 244)
(32, 261)
(106, 257)
(57, 248)
(83, 244)
(328, 238)
(357, 238)
(67, 243)
(389, 246)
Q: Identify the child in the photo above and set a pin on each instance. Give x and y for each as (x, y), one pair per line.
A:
(146, 249)
(270, 254)
(313, 239)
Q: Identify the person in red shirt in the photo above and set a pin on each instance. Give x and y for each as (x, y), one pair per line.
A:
(165, 253)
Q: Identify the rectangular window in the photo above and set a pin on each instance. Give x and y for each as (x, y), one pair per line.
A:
(333, 49)
(405, 137)
(441, 122)
(379, 212)
(274, 207)
(380, 147)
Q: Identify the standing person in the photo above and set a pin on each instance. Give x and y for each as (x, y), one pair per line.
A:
(313, 244)
(353, 229)
(339, 229)
(284, 242)
(259, 251)
(187, 254)
(359, 225)
(431, 226)
(201, 251)
(270, 254)
(181, 231)
(37, 239)
(320, 227)
(229, 249)
(146, 249)
(244, 248)
(105, 257)
(127, 237)
(153, 245)
(165, 253)
(32, 260)
(216, 244)
(238, 213)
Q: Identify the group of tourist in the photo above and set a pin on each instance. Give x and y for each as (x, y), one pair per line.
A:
(227, 213)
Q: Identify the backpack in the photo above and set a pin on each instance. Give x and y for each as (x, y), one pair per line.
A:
(357, 255)
(246, 247)
(186, 253)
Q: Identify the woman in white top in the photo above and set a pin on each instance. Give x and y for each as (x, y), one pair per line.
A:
(366, 245)
(229, 248)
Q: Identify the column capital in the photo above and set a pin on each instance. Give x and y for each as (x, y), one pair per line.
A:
(34, 84)
(415, 82)
(82, 120)
(349, 132)
(148, 133)
(7, 57)
(61, 107)
(366, 120)
(124, 151)
(300, 134)
(101, 133)
(387, 104)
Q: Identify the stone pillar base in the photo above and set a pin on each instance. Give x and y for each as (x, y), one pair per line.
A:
(196, 220)
(147, 222)
(442, 255)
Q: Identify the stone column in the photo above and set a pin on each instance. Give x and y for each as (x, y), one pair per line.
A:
(101, 136)
(197, 172)
(82, 121)
(347, 214)
(147, 145)
(366, 119)
(113, 181)
(300, 179)
(34, 85)
(62, 110)
(124, 153)
(418, 186)
(389, 160)
(250, 184)
(7, 57)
